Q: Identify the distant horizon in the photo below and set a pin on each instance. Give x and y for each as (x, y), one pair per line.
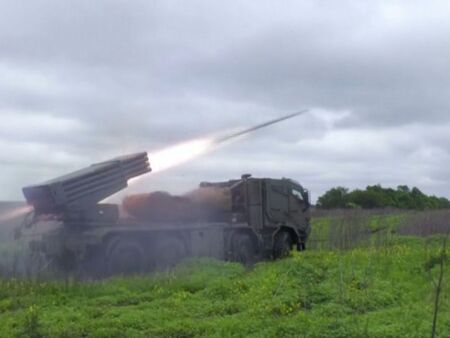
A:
(124, 192)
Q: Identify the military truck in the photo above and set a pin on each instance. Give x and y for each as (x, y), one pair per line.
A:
(261, 218)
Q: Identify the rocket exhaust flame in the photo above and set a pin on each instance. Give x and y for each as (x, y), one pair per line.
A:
(179, 153)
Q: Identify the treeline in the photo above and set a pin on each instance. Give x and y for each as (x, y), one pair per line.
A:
(376, 196)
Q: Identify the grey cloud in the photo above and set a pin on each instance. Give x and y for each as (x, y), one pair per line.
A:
(140, 75)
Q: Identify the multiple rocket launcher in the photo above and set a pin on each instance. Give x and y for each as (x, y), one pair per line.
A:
(79, 192)
(83, 189)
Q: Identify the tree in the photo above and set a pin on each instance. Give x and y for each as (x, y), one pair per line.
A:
(367, 199)
(334, 198)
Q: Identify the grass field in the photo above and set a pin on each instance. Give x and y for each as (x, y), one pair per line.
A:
(377, 285)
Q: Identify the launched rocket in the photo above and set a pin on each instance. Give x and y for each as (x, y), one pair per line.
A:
(259, 126)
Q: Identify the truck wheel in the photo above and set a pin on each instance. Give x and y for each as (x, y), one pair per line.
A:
(125, 257)
(168, 252)
(283, 245)
(243, 249)
(93, 265)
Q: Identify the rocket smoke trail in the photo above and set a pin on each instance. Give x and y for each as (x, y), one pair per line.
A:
(259, 126)
(186, 151)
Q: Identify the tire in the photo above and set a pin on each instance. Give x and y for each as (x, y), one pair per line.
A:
(302, 246)
(168, 252)
(125, 257)
(93, 265)
(283, 245)
(243, 249)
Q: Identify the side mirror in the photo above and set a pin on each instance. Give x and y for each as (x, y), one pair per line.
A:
(307, 200)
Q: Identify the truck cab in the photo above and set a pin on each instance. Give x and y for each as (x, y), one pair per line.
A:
(270, 208)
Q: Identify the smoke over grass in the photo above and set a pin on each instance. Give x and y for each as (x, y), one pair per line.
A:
(11, 251)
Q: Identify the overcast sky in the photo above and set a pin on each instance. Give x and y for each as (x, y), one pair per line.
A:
(81, 81)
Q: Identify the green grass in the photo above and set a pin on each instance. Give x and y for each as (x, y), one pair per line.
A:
(354, 228)
(363, 292)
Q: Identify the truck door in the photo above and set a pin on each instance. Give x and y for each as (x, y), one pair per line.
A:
(277, 200)
(296, 206)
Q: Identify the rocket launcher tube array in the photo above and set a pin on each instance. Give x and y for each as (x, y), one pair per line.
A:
(84, 188)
